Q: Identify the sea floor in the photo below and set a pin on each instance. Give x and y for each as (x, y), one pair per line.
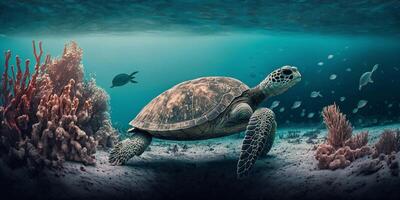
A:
(206, 170)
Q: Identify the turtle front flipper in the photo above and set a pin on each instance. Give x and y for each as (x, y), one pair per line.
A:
(259, 136)
(126, 149)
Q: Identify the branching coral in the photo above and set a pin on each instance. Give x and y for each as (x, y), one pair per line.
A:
(341, 148)
(386, 149)
(52, 115)
(357, 141)
(339, 129)
(388, 142)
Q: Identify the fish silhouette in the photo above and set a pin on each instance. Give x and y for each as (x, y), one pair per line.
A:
(122, 79)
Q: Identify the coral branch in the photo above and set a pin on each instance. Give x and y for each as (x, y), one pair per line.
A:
(341, 148)
(5, 91)
(37, 57)
(357, 141)
(339, 129)
(389, 142)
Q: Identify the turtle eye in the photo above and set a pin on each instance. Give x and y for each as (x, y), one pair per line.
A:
(287, 72)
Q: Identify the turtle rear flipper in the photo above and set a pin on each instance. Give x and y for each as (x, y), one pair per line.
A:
(260, 133)
(126, 149)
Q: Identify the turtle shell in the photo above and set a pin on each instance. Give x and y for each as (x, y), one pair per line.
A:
(189, 104)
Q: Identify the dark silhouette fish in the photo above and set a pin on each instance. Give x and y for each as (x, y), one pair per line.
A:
(122, 79)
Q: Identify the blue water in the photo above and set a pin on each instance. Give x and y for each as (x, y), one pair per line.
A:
(172, 41)
(168, 58)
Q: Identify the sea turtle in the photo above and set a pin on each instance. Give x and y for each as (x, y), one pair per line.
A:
(210, 107)
(122, 79)
(366, 77)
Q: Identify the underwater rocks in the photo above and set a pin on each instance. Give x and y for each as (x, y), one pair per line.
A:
(341, 148)
(372, 166)
(292, 134)
(297, 137)
(52, 115)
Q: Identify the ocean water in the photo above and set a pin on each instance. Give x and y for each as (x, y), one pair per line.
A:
(332, 43)
(166, 59)
(172, 41)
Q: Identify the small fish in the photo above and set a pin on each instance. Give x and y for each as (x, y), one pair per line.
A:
(274, 104)
(330, 56)
(362, 103)
(390, 105)
(296, 104)
(332, 76)
(332, 91)
(342, 99)
(355, 110)
(344, 59)
(302, 114)
(282, 109)
(396, 68)
(310, 115)
(348, 70)
(122, 79)
(320, 63)
(315, 94)
(366, 77)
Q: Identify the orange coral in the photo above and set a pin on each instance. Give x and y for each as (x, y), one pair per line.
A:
(341, 148)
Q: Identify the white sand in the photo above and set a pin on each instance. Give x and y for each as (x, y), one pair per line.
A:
(207, 170)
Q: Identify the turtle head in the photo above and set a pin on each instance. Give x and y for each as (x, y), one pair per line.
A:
(280, 80)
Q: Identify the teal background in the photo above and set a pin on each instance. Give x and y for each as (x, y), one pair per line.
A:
(164, 59)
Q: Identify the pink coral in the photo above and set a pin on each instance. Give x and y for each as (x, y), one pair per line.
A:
(68, 67)
(388, 142)
(357, 141)
(49, 116)
(339, 129)
(341, 148)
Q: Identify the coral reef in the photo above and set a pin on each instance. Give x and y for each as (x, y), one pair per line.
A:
(341, 148)
(99, 123)
(52, 115)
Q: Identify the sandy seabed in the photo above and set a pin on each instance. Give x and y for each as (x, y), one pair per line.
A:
(207, 170)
